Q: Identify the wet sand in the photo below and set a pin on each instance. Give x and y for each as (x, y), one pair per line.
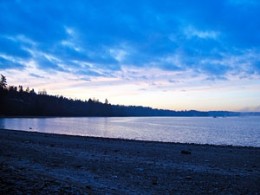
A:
(38, 163)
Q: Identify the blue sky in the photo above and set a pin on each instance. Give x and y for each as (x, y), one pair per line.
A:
(179, 55)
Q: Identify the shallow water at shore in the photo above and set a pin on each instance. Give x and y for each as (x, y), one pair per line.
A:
(238, 131)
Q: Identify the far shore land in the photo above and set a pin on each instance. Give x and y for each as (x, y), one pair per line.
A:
(38, 163)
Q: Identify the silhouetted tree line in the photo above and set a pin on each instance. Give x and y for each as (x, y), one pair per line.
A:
(17, 101)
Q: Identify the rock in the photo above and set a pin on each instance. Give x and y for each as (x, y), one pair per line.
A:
(140, 169)
(77, 166)
(88, 188)
(188, 177)
(185, 152)
(154, 180)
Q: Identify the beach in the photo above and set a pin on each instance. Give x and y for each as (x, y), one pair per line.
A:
(38, 163)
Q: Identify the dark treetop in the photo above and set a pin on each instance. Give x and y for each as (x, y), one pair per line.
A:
(17, 101)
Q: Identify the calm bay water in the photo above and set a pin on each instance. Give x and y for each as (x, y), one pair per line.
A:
(239, 131)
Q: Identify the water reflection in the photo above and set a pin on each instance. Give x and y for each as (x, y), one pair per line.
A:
(243, 131)
(2, 123)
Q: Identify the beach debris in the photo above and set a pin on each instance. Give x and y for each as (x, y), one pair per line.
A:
(140, 169)
(77, 166)
(89, 189)
(154, 180)
(188, 177)
(185, 152)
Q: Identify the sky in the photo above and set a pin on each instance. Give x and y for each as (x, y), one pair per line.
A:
(169, 54)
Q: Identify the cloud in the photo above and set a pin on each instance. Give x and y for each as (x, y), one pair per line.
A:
(97, 38)
(5, 63)
(192, 32)
(12, 48)
(37, 76)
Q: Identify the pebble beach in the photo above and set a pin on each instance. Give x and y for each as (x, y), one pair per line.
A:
(38, 163)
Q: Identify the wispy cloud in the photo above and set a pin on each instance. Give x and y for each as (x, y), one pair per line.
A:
(192, 32)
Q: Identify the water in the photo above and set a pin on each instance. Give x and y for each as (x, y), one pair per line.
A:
(238, 131)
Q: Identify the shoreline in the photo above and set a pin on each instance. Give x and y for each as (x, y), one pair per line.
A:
(180, 116)
(32, 162)
(130, 140)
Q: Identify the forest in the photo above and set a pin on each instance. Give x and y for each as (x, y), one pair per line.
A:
(17, 101)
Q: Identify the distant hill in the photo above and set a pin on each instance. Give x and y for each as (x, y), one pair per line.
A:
(15, 101)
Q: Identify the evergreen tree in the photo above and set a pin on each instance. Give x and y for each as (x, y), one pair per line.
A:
(3, 82)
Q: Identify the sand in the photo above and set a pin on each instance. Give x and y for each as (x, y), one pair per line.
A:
(37, 163)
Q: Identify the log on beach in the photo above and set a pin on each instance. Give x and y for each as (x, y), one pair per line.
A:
(41, 163)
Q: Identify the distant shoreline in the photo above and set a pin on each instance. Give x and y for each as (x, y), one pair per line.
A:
(16, 102)
(20, 116)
